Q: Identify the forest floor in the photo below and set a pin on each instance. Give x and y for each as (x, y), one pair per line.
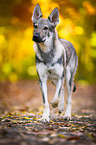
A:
(21, 107)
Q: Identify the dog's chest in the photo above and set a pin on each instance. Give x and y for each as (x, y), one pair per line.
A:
(54, 72)
(50, 63)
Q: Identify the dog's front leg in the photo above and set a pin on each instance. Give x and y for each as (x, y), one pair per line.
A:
(42, 73)
(61, 103)
(56, 98)
(46, 110)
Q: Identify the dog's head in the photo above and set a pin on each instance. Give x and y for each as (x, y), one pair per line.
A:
(44, 28)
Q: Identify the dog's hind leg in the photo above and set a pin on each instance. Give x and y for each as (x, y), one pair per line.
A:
(69, 91)
(70, 73)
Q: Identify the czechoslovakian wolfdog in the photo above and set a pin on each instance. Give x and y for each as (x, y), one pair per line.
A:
(56, 59)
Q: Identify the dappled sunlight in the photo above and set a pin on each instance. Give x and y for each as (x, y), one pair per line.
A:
(46, 6)
(32, 70)
(90, 9)
(79, 30)
(93, 41)
(21, 104)
(66, 28)
(76, 24)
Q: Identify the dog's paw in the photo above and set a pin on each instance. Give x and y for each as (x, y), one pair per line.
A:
(43, 119)
(68, 113)
(55, 103)
(66, 117)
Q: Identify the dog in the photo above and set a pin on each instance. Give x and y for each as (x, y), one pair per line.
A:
(56, 59)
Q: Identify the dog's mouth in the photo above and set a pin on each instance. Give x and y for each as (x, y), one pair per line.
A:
(37, 38)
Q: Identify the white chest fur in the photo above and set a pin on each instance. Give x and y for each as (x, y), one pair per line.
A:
(51, 71)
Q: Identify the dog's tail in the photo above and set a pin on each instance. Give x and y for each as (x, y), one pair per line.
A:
(74, 88)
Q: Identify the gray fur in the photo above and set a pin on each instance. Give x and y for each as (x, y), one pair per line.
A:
(47, 57)
(56, 59)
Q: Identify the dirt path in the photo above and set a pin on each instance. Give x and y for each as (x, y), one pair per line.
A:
(21, 107)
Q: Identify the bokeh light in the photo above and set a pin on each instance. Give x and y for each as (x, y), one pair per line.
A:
(77, 24)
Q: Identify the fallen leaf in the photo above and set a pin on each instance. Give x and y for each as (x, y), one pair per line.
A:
(74, 138)
(53, 135)
(45, 139)
(62, 136)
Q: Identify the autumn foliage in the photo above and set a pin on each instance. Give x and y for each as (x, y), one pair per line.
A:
(77, 24)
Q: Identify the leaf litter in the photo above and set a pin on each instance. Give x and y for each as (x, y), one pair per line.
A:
(20, 126)
(28, 129)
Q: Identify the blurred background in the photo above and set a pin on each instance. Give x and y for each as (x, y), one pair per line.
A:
(77, 24)
(19, 89)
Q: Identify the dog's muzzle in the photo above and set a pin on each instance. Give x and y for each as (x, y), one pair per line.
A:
(37, 38)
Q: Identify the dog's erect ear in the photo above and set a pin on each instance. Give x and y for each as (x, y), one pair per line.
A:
(36, 13)
(54, 17)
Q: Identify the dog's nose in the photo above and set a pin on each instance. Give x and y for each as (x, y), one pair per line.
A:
(37, 38)
(36, 35)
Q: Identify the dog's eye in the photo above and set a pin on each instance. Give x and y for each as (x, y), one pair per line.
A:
(35, 26)
(45, 28)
